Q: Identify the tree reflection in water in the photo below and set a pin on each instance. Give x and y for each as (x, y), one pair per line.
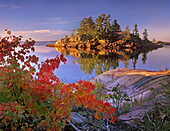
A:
(98, 63)
(101, 61)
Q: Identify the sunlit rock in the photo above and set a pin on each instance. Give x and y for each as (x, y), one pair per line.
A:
(143, 85)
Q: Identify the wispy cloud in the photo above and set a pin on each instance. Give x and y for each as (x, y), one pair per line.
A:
(41, 32)
(44, 23)
(52, 23)
(12, 6)
(60, 20)
(16, 7)
(55, 18)
(40, 35)
(2, 5)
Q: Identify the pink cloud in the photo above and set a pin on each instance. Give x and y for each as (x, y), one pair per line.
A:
(40, 35)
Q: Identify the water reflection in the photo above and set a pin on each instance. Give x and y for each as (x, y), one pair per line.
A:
(88, 64)
(97, 63)
(102, 60)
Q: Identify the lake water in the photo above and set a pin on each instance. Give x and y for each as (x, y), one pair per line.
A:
(88, 68)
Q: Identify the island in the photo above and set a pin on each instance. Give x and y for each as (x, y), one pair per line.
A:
(104, 37)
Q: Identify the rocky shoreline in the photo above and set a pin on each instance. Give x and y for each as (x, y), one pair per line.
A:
(134, 43)
(104, 49)
(162, 43)
(143, 85)
(133, 81)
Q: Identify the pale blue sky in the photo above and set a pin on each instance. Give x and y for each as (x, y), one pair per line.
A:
(52, 19)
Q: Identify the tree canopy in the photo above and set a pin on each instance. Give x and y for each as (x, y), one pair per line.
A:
(116, 26)
(102, 28)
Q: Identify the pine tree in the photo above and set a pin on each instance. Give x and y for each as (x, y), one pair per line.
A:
(127, 30)
(126, 34)
(91, 28)
(87, 28)
(72, 35)
(145, 35)
(116, 26)
(82, 28)
(154, 40)
(73, 30)
(66, 36)
(100, 26)
(107, 28)
(135, 31)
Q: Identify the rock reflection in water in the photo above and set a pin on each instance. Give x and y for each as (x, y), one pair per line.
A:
(102, 60)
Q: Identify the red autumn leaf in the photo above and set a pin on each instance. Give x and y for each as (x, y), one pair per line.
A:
(99, 102)
(22, 58)
(106, 117)
(10, 84)
(8, 32)
(33, 49)
(113, 119)
(112, 110)
(107, 104)
(97, 116)
(1, 56)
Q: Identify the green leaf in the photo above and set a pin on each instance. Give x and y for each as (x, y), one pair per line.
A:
(151, 88)
(114, 89)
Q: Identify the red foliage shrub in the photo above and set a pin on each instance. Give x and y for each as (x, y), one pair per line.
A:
(30, 98)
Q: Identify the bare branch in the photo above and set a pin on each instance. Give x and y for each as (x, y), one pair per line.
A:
(152, 122)
(72, 125)
(163, 120)
(108, 129)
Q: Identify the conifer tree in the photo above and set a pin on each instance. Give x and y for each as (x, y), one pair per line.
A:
(126, 34)
(72, 35)
(73, 31)
(116, 26)
(87, 28)
(99, 26)
(135, 31)
(145, 35)
(107, 27)
(127, 30)
(66, 36)
(154, 40)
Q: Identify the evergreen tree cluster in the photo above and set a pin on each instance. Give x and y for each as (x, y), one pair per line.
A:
(103, 28)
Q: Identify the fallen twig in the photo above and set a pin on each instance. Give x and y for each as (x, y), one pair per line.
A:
(152, 122)
(72, 125)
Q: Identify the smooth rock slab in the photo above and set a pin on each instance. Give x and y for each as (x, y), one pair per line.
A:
(135, 82)
(138, 84)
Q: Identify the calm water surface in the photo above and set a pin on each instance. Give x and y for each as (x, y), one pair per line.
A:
(88, 68)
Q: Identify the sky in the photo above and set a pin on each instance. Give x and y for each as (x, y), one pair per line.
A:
(49, 20)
